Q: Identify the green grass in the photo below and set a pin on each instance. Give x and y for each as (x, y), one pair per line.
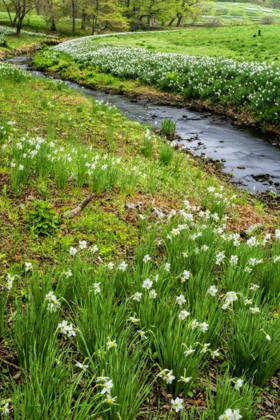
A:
(37, 23)
(230, 42)
(145, 218)
(236, 13)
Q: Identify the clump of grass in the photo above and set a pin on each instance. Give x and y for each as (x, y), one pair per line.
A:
(166, 154)
(168, 128)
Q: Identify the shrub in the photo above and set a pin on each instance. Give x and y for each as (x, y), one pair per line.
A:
(43, 219)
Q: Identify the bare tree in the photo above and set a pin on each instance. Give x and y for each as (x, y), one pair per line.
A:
(21, 8)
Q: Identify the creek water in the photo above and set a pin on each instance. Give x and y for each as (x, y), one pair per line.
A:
(245, 152)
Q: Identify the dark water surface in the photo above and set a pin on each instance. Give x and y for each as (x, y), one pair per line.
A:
(212, 135)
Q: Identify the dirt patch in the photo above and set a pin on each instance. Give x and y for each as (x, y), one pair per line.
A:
(31, 49)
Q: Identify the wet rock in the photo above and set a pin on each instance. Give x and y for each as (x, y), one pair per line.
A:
(200, 143)
(185, 116)
(241, 167)
(221, 141)
(194, 118)
(261, 177)
(223, 160)
(192, 138)
(133, 101)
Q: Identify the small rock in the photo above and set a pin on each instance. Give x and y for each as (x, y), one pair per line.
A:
(241, 167)
(252, 228)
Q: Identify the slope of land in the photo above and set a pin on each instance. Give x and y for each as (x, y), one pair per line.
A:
(151, 293)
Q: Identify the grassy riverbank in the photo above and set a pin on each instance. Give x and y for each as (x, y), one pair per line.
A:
(244, 90)
(150, 285)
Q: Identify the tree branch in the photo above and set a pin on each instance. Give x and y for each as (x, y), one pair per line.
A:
(73, 213)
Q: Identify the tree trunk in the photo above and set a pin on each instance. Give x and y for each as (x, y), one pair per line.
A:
(83, 23)
(53, 25)
(73, 16)
(19, 25)
(171, 22)
(37, 9)
(179, 21)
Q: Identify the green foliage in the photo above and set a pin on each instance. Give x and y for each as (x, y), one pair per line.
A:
(252, 344)
(147, 148)
(166, 154)
(229, 397)
(45, 58)
(177, 219)
(43, 220)
(168, 128)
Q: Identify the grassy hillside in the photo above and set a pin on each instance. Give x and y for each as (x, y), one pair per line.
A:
(115, 311)
(231, 42)
(235, 13)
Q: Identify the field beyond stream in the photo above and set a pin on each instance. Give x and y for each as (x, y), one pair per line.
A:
(247, 89)
(135, 284)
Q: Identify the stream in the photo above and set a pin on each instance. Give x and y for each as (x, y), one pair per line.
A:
(245, 152)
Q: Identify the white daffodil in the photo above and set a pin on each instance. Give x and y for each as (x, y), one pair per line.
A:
(205, 347)
(111, 344)
(83, 244)
(28, 266)
(183, 314)
(147, 284)
(212, 291)
(110, 265)
(137, 296)
(238, 384)
(110, 400)
(73, 251)
(248, 301)
(83, 367)
(180, 300)
(214, 354)
(122, 266)
(177, 404)
(254, 310)
(167, 267)
(96, 288)
(189, 351)
(184, 379)
(142, 334)
(186, 275)
(63, 327)
(146, 258)
(254, 287)
(107, 386)
(203, 326)
(152, 294)
(102, 379)
(133, 320)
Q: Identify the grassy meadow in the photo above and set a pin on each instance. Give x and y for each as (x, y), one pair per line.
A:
(237, 13)
(233, 42)
(38, 23)
(149, 303)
